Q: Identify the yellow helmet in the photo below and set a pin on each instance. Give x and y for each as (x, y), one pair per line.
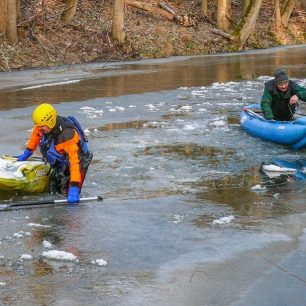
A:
(44, 114)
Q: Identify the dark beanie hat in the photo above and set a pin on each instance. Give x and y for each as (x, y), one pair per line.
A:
(280, 76)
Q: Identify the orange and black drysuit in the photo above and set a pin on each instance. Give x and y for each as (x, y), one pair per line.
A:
(66, 150)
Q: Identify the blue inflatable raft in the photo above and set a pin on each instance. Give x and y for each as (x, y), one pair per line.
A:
(290, 133)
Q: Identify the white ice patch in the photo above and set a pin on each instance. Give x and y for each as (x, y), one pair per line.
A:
(21, 234)
(199, 93)
(218, 123)
(189, 127)
(224, 220)
(258, 188)
(223, 85)
(48, 245)
(186, 108)
(59, 255)
(177, 219)
(229, 90)
(153, 124)
(2, 284)
(99, 262)
(26, 257)
(91, 112)
(264, 78)
(151, 107)
(38, 225)
(274, 168)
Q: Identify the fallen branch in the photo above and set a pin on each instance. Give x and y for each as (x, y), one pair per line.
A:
(149, 8)
(184, 20)
(167, 8)
(221, 33)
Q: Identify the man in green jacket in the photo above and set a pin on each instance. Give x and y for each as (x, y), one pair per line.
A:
(281, 96)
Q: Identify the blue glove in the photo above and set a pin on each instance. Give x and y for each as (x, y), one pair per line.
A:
(73, 194)
(25, 155)
(51, 158)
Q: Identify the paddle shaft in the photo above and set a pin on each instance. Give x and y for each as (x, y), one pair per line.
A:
(253, 113)
(33, 203)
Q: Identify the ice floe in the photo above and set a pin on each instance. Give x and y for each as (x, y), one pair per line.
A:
(99, 262)
(48, 245)
(224, 220)
(59, 255)
(26, 257)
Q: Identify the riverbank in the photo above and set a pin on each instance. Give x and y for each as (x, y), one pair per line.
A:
(65, 74)
(87, 39)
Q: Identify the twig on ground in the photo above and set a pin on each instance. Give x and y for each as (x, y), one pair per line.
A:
(221, 33)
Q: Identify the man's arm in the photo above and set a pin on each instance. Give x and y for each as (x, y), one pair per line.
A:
(266, 102)
(300, 92)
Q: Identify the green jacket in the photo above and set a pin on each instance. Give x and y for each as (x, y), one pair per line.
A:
(275, 103)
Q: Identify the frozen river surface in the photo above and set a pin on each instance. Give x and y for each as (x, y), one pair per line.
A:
(186, 218)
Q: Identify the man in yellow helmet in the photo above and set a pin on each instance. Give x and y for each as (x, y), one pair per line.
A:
(63, 144)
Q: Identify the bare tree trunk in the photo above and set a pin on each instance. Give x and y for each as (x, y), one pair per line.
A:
(204, 7)
(118, 21)
(69, 11)
(19, 12)
(247, 23)
(286, 12)
(3, 16)
(246, 4)
(11, 31)
(222, 11)
(277, 14)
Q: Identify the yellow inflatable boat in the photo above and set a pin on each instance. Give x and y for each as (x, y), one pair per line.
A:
(30, 176)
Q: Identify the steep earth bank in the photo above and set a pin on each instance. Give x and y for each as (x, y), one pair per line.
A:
(46, 41)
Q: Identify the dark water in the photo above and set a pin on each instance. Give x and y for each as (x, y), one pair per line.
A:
(169, 159)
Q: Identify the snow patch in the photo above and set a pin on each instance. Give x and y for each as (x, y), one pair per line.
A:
(224, 220)
(59, 255)
(26, 257)
(47, 244)
(99, 262)
(38, 225)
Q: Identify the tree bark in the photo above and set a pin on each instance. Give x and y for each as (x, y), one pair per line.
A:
(277, 14)
(222, 11)
(247, 23)
(118, 21)
(246, 4)
(204, 7)
(11, 31)
(286, 12)
(3, 16)
(69, 11)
